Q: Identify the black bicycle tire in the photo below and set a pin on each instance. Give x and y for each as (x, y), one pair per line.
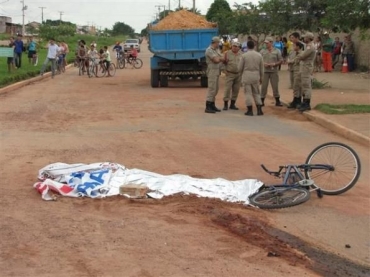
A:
(353, 181)
(80, 68)
(253, 198)
(121, 63)
(90, 71)
(136, 65)
(97, 70)
(114, 69)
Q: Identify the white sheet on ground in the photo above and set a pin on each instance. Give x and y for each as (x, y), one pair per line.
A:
(100, 180)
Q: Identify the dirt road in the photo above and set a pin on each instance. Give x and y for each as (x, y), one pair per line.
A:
(75, 119)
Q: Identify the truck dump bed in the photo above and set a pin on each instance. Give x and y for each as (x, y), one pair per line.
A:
(180, 44)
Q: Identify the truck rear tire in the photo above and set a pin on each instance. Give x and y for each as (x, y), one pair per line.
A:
(204, 82)
(163, 80)
(154, 78)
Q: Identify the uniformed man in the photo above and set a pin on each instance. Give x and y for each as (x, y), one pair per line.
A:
(213, 59)
(297, 85)
(233, 77)
(272, 58)
(251, 67)
(307, 58)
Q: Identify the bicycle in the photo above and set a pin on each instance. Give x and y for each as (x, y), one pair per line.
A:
(92, 68)
(101, 69)
(124, 59)
(81, 66)
(330, 169)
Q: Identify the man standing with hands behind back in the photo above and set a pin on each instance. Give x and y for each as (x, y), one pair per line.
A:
(233, 77)
(252, 69)
(272, 58)
(213, 59)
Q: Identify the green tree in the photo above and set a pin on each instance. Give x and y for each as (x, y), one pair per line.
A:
(251, 20)
(279, 13)
(347, 15)
(220, 12)
(120, 28)
(47, 31)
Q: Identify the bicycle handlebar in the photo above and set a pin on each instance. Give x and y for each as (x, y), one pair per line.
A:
(275, 173)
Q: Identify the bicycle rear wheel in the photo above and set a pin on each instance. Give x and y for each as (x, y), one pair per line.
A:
(112, 69)
(137, 63)
(344, 175)
(279, 197)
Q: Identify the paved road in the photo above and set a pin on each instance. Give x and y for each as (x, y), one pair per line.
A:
(122, 119)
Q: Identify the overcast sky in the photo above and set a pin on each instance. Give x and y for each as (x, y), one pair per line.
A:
(103, 13)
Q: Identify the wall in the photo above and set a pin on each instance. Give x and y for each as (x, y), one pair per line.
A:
(3, 21)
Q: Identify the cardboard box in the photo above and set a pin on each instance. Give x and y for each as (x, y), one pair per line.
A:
(134, 191)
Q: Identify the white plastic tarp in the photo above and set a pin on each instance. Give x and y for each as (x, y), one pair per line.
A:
(100, 180)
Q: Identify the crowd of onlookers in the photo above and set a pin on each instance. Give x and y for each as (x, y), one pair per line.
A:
(329, 52)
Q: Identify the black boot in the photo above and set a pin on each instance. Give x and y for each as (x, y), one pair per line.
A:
(259, 110)
(293, 104)
(214, 107)
(299, 102)
(278, 103)
(263, 102)
(305, 105)
(209, 108)
(249, 111)
(226, 104)
(232, 105)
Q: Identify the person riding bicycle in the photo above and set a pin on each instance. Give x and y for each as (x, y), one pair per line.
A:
(106, 59)
(118, 49)
(92, 55)
(133, 53)
(82, 51)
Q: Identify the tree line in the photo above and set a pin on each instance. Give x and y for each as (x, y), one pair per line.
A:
(281, 16)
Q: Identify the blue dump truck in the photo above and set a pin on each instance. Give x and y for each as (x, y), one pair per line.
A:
(179, 54)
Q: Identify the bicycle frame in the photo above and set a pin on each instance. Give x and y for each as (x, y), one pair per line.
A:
(295, 169)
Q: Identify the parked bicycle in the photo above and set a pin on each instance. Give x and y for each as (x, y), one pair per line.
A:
(330, 169)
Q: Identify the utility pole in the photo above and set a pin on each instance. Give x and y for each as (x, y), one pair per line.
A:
(42, 14)
(60, 20)
(179, 4)
(23, 9)
(159, 10)
(193, 6)
(169, 5)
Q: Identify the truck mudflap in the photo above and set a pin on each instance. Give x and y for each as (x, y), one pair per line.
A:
(171, 73)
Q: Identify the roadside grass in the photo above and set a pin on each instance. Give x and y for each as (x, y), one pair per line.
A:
(28, 71)
(342, 109)
(316, 84)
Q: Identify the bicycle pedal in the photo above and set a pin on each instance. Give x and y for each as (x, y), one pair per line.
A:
(306, 182)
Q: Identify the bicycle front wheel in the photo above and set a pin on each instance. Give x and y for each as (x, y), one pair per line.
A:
(112, 69)
(279, 197)
(121, 63)
(100, 70)
(345, 171)
(137, 63)
(80, 68)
